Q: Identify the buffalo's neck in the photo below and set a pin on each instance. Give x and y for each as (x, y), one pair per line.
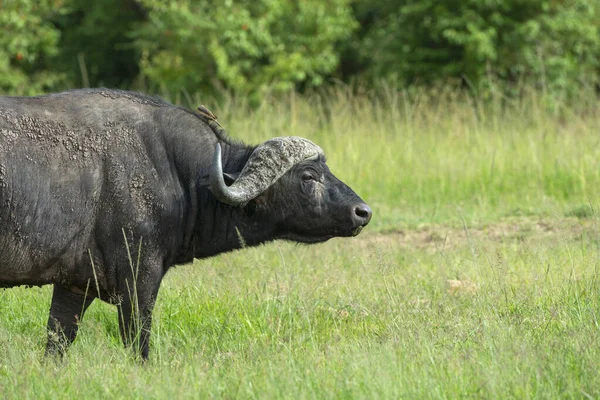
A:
(191, 143)
(222, 228)
(211, 227)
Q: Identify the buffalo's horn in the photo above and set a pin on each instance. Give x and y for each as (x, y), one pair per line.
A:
(269, 162)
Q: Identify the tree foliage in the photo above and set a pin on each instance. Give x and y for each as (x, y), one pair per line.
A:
(95, 43)
(251, 46)
(555, 44)
(246, 45)
(29, 41)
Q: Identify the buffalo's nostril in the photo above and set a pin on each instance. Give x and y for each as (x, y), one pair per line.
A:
(363, 213)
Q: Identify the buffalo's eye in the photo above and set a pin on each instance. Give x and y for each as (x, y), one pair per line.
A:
(307, 176)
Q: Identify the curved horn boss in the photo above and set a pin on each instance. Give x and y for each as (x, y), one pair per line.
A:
(269, 162)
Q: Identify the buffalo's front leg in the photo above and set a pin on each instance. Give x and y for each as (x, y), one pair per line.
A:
(66, 311)
(135, 326)
(135, 314)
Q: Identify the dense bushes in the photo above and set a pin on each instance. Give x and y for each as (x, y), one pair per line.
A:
(554, 44)
(250, 46)
(245, 45)
(28, 39)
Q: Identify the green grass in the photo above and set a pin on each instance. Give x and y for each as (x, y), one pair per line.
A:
(478, 277)
(363, 318)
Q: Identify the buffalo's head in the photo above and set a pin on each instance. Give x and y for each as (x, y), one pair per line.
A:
(287, 181)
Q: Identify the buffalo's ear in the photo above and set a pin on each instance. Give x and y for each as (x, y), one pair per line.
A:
(261, 199)
(230, 177)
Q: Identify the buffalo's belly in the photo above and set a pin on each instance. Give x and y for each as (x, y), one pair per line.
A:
(19, 271)
(47, 213)
(34, 258)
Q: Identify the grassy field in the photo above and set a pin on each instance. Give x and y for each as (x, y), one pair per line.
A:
(478, 277)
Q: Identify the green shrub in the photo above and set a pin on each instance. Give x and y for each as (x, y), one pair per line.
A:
(28, 43)
(552, 44)
(95, 47)
(246, 46)
(252, 47)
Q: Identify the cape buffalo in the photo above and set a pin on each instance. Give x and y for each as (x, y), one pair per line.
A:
(90, 177)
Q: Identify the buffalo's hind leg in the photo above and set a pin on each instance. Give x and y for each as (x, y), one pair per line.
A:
(66, 311)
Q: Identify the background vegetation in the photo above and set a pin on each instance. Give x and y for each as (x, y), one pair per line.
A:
(470, 127)
(251, 47)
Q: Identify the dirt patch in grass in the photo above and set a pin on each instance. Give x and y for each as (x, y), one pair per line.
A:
(437, 237)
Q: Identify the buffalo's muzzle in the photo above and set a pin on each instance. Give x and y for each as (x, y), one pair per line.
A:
(362, 214)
